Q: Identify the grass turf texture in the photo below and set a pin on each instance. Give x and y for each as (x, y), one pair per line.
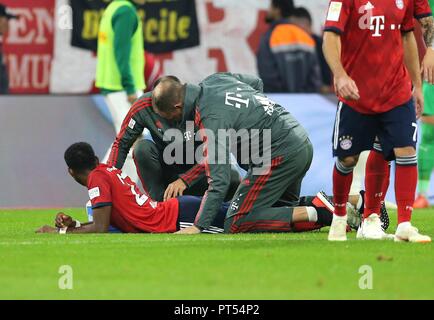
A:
(246, 266)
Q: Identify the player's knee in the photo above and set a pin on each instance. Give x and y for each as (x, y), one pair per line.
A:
(405, 152)
(349, 162)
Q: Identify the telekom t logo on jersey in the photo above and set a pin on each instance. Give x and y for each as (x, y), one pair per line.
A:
(369, 21)
(377, 24)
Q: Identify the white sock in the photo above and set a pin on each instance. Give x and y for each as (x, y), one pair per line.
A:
(312, 214)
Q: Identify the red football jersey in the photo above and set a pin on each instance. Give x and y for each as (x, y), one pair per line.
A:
(132, 211)
(421, 9)
(372, 51)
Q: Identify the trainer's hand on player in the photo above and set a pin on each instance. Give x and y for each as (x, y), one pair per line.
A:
(132, 98)
(46, 229)
(428, 66)
(418, 101)
(189, 230)
(174, 189)
(346, 88)
(62, 220)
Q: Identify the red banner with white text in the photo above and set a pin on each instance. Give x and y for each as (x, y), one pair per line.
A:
(28, 46)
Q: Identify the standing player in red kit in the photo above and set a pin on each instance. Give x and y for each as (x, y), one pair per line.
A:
(368, 45)
(377, 167)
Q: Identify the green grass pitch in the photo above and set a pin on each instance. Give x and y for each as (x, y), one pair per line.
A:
(247, 266)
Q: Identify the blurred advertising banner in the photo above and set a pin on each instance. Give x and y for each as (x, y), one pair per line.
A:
(168, 25)
(50, 48)
(229, 36)
(28, 46)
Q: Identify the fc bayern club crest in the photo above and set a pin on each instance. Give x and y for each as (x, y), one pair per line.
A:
(400, 4)
(346, 142)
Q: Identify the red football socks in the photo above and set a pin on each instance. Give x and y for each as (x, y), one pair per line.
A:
(405, 186)
(342, 179)
(376, 182)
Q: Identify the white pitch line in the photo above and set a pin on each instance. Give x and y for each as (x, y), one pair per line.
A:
(135, 242)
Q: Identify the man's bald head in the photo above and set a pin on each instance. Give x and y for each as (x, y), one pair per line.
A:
(164, 78)
(168, 97)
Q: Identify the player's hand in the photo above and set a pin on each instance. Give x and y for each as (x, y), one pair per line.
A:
(46, 229)
(346, 88)
(428, 66)
(418, 101)
(189, 230)
(132, 98)
(62, 220)
(174, 189)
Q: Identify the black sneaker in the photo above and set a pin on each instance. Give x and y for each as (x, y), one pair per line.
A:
(384, 217)
(361, 210)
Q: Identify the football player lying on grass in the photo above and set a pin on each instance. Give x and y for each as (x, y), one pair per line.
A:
(117, 201)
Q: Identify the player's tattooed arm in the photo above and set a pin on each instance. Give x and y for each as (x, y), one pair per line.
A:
(427, 25)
